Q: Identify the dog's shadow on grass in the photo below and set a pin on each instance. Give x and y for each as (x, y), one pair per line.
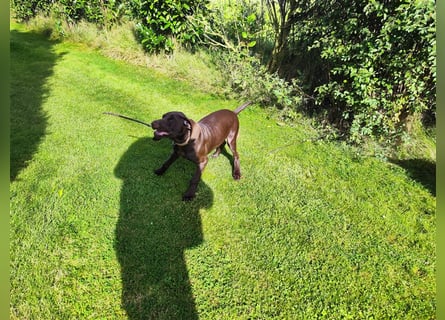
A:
(154, 229)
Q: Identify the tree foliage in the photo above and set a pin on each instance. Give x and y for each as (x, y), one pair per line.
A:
(232, 31)
(99, 12)
(233, 26)
(162, 20)
(159, 22)
(373, 61)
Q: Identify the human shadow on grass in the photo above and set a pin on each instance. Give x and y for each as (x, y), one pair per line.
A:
(154, 229)
(32, 62)
(420, 170)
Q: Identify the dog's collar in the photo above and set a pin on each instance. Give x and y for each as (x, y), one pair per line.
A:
(192, 134)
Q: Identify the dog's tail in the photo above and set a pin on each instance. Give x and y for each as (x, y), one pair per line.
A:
(242, 107)
(128, 118)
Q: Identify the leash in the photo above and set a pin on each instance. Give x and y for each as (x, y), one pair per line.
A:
(127, 118)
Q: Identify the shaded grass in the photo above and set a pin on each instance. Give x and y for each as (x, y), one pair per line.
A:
(28, 120)
(312, 230)
(152, 234)
(420, 170)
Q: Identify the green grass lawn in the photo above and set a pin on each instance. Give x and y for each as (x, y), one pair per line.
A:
(313, 230)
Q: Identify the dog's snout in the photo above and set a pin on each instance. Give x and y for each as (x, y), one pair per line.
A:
(155, 124)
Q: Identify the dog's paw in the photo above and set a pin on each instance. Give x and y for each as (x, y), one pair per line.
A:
(236, 175)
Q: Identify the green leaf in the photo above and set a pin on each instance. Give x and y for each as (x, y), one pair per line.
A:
(251, 18)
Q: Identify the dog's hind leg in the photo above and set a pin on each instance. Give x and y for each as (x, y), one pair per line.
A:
(231, 141)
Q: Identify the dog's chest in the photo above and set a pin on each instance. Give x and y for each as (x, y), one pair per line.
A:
(188, 152)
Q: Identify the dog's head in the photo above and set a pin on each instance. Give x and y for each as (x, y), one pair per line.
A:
(173, 125)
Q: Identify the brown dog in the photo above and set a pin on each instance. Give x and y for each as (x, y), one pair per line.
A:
(195, 140)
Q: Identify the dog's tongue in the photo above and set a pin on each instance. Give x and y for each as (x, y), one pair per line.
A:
(159, 134)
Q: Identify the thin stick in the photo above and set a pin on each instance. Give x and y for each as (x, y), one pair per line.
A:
(128, 118)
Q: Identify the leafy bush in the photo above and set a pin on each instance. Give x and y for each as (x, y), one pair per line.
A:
(246, 78)
(231, 30)
(162, 20)
(72, 11)
(25, 10)
(380, 61)
(158, 22)
(233, 26)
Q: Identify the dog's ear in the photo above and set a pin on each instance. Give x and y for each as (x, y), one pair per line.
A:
(187, 124)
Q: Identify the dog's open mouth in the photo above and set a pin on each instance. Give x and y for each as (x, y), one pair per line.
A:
(160, 134)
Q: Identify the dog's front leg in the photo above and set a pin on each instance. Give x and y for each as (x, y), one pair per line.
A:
(173, 157)
(191, 191)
